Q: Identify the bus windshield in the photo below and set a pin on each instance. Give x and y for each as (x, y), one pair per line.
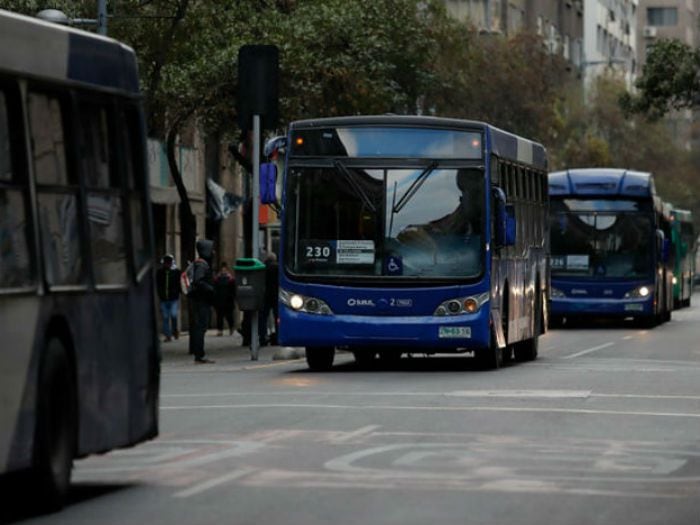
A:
(612, 244)
(385, 222)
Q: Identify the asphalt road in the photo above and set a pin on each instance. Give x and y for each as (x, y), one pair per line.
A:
(604, 428)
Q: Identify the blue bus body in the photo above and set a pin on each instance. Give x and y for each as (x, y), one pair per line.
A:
(369, 307)
(607, 245)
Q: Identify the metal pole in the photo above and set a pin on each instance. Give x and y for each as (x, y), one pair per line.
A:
(102, 17)
(255, 227)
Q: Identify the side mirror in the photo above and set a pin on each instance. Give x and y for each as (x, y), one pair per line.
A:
(505, 219)
(268, 183)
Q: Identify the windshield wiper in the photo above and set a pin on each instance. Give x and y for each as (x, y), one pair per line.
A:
(352, 180)
(414, 187)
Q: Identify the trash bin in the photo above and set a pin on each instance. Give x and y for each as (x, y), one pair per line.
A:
(250, 284)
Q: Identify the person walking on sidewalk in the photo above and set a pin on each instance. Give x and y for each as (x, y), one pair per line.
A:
(202, 298)
(225, 294)
(168, 288)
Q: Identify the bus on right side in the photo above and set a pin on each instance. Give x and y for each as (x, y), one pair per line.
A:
(610, 253)
(683, 246)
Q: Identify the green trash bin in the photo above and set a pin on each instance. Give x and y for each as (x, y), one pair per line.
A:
(250, 284)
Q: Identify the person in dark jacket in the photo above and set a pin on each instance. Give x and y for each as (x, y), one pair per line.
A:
(168, 288)
(224, 296)
(201, 298)
(271, 295)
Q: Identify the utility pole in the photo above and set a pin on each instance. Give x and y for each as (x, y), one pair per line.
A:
(102, 17)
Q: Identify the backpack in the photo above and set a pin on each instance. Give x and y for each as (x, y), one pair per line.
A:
(187, 284)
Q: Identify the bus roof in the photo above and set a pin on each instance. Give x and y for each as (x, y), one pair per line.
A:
(34, 48)
(601, 182)
(504, 144)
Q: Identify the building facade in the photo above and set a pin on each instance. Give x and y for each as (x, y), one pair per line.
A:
(677, 19)
(558, 22)
(610, 39)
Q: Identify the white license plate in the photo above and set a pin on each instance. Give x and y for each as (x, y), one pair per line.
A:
(455, 331)
(634, 307)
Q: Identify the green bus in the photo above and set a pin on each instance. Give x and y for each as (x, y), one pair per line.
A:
(684, 246)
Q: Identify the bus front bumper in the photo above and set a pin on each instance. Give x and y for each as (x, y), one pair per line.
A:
(602, 307)
(468, 331)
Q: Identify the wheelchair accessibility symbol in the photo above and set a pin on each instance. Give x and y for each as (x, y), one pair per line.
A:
(394, 265)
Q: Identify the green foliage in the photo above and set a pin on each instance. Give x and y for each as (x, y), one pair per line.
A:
(670, 80)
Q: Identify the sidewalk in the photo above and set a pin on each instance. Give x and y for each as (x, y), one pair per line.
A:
(226, 350)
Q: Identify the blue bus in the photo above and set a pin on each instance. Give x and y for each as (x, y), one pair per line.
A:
(609, 246)
(79, 358)
(406, 234)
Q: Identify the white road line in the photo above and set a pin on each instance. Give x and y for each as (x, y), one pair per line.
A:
(276, 406)
(509, 394)
(627, 337)
(214, 482)
(346, 437)
(588, 350)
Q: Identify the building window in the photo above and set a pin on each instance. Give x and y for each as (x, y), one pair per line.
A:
(662, 16)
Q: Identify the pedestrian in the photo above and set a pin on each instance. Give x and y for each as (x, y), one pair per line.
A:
(202, 298)
(271, 299)
(168, 289)
(224, 297)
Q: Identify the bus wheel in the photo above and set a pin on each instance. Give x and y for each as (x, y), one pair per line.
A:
(320, 357)
(56, 427)
(389, 358)
(527, 350)
(364, 358)
(490, 358)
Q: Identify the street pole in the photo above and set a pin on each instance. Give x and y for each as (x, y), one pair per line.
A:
(255, 227)
(102, 17)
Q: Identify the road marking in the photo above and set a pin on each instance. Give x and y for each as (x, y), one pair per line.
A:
(438, 409)
(627, 337)
(214, 482)
(588, 350)
(346, 437)
(514, 394)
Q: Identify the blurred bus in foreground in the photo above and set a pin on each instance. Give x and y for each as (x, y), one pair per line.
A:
(406, 234)
(79, 363)
(609, 246)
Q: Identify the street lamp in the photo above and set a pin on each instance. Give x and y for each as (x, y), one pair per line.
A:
(55, 16)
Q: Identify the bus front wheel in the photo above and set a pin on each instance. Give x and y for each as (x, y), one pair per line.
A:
(56, 426)
(320, 358)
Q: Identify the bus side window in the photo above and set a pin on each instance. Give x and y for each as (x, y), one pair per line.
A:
(134, 159)
(16, 263)
(105, 203)
(57, 190)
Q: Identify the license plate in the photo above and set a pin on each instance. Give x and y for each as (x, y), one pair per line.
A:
(455, 331)
(634, 307)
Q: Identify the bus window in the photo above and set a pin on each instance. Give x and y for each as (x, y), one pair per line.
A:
(133, 163)
(105, 205)
(15, 260)
(57, 193)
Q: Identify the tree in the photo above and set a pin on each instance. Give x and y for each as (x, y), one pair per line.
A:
(670, 80)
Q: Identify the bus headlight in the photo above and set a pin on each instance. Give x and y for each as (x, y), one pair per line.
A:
(556, 293)
(675, 280)
(301, 303)
(640, 292)
(462, 305)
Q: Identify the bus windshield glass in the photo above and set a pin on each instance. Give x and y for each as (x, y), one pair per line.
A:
(607, 240)
(385, 222)
(387, 142)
